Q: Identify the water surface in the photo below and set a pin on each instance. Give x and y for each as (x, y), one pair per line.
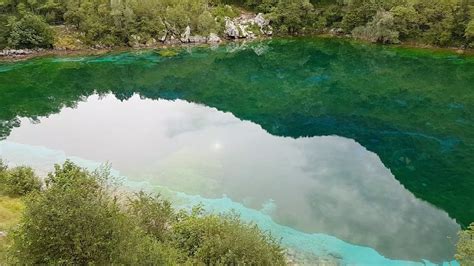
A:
(371, 145)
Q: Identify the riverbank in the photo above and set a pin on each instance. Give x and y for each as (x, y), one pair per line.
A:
(25, 54)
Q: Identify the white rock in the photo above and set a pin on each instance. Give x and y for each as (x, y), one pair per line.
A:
(213, 38)
(260, 20)
(185, 37)
(151, 42)
(243, 31)
(231, 29)
(197, 39)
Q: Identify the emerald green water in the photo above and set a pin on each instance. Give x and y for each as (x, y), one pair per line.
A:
(413, 110)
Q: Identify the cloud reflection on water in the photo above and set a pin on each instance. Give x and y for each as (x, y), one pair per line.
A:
(329, 184)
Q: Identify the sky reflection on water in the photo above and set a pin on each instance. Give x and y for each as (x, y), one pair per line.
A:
(327, 184)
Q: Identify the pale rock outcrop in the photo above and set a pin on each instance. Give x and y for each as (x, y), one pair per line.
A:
(260, 20)
(197, 39)
(243, 31)
(19, 52)
(238, 28)
(213, 38)
(231, 29)
(185, 37)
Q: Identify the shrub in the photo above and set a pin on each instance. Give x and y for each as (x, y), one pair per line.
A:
(18, 181)
(206, 23)
(154, 215)
(359, 14)
(380, 29)
(75, 221)
(78, 219)
(29, 32)
(470, 33)
(406, 21)
(222, 11)
(3, 166)
(465, 246)
(292, 16)
(225, 240)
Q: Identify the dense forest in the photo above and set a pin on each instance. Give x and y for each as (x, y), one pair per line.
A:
(109, 23)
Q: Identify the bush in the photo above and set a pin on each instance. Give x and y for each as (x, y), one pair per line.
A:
(381, 29)
(18, 181)
(470, 33)
(29, 32)
(79, 219)
(292, 16)
(406, 21)
(225, 240)
(154, 215)
(359, 14)
(465, 246)
(3, 166)
(76, 221)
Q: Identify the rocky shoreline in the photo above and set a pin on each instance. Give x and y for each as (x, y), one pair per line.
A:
(245, 27)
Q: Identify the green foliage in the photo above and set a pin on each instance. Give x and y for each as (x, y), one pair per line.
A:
(30, 31)
(465, 246)
(436, 21)
(10, 213)
(381, 29)
(3, 166)
(359, 14)
(154, 215)
(225, 240)
(18, 181)
(292, 16)
(78, 219)
(222, 11)
(4, 28)
(132, 22)
(206, 23)
(470, 33)
(406, 21)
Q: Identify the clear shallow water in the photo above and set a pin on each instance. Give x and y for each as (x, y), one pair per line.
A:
(321, 136)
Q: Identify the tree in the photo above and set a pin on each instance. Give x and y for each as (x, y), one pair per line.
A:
(359, 13)
(206, 23)
(470, 33)
(406, 21)
(30, 31)
(381, 29)
(18, 181)
(292, 16)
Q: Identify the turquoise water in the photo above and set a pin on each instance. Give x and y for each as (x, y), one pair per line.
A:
(354, 153)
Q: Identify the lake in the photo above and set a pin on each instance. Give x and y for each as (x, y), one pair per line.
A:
(348, 152)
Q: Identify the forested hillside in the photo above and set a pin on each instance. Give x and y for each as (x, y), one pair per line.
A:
(108, 23)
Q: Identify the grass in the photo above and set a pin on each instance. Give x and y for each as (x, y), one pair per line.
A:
(10, 213)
